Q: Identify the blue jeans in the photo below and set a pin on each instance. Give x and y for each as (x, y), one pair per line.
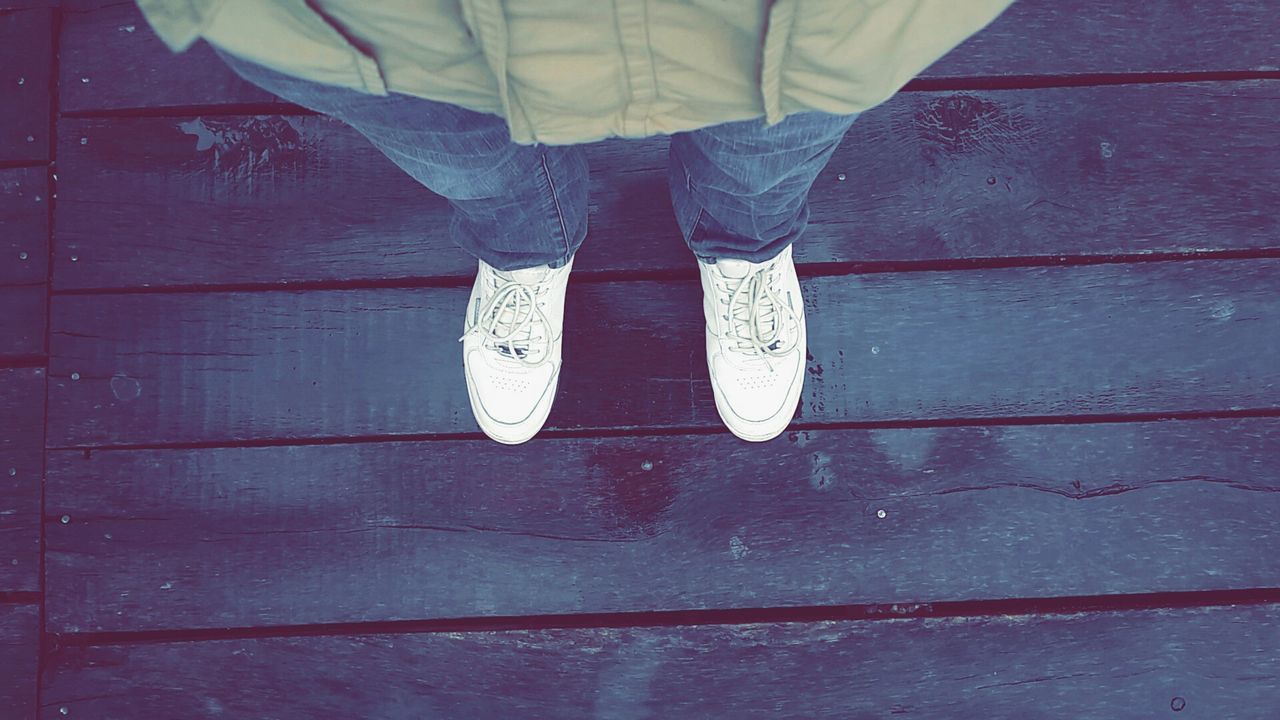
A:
(739, 190)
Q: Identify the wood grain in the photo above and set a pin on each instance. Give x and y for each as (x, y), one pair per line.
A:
(19, 656)
(24, 226)
(246, 537)
(1211, 664)
(26, 67)
(21, 474)
(133, 69)
(1038, 341)
(112, 59)
(22, 320)
(928, 177)
(1092, 37)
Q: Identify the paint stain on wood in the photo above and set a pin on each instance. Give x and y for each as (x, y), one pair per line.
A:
(962, 123)
(908, 450)
(249, 151)
(125, 388)
(631, 492)
(822, 474)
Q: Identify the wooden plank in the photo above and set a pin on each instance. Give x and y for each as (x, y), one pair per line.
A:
(236, 212)
(133, 69)
(24, 237)
(21, 474)
(20, 657)
(26, 67)
(22, 320)
(1195, 663)
(1043, 37)
(929, 176)
(242, 537)
(1023, 341)
(111, 59)
(24, 226)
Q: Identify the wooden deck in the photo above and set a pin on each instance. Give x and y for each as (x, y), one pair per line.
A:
(1035, 474)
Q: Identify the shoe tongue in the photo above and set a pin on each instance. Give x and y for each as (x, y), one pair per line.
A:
(525, 276)
(733, 267)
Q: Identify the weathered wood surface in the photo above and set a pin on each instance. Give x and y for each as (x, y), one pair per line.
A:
(26, 58)
(1027, 341)
(22, 321)
(26, 67)
(1092, 37)
(1213, 664)
(248, 537)
(24, 226)
(19, 658)
(21, 470)
(129, 67)
(112, 59)
(929, 176)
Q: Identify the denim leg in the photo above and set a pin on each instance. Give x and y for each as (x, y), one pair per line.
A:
(740, 190)
(515, 206)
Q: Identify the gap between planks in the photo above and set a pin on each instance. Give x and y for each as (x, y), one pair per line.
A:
(951, 84)
(804, 270)
(1066, 605)
(644, 431)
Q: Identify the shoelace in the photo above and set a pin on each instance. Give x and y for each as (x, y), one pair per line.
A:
(753, 303)
(512, 310)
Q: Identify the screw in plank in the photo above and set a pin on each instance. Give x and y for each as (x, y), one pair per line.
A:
(840, 177)
(62, 710)
(22, 81)
(84, 80)
(646, 465)
(22, 255)
(881, 514)
(1177, 704)
(31, 138)
(84, 141)
(75, 258)
(13, 471)
(75, 376)
(66, 519)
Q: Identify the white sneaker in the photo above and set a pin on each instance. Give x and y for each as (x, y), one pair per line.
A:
(511, 345)
(756, 342)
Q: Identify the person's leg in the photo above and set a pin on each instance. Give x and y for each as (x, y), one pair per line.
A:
(740, 193)
(515, 206)
(518, 208)
(740, 190)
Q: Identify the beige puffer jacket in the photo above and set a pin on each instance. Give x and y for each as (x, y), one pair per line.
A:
(574, 71)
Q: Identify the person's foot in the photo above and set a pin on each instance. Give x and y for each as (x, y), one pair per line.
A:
(511, 346)
(756, 342)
